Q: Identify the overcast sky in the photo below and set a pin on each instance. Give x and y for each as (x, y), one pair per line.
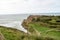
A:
(29, 6)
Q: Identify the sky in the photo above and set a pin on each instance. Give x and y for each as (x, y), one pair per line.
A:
(29, 6)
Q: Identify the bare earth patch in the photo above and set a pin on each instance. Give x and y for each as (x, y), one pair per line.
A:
(1, 36)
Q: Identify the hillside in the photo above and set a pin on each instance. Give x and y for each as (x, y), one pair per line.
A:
(14, 34)
(11, 34)
(47, 26)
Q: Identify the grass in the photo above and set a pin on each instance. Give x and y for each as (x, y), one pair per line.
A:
(14, 34)
(43, 30)
(45, 25)
(39, 27)
(11, 34)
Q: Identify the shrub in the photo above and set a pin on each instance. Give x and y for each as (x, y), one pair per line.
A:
(48, 38)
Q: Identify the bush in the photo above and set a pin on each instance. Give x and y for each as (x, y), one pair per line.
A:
(53, 26)
(48, 38)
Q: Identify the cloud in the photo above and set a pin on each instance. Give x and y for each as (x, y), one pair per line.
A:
(29, 6)
(39, 6)
(7, 7)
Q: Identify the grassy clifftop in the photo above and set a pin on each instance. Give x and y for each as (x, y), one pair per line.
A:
(47, 26)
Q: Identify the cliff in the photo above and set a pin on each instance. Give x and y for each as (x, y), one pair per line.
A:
(29, 19)
(44, 26)
(50, 21)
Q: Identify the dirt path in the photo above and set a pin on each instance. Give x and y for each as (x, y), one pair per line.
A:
(1, 36)
(37, 33)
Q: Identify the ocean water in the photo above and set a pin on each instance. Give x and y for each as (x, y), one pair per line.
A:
(13, 21)
(12, 17)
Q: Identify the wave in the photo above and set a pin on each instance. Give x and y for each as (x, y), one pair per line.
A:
(15, 24)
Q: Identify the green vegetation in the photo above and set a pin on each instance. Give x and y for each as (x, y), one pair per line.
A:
(45, 31)
(11, 34)
(14, 34)
(41, 28)
(47, 26)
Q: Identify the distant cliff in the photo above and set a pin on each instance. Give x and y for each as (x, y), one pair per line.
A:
(29, 19)
(50, 21)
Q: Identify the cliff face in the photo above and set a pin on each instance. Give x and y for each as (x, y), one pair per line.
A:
(26, 22)
(29, 19)
(50, 21)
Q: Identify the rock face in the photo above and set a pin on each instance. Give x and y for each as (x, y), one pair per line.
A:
(26, 22)
(29, 19)
(1, 37)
